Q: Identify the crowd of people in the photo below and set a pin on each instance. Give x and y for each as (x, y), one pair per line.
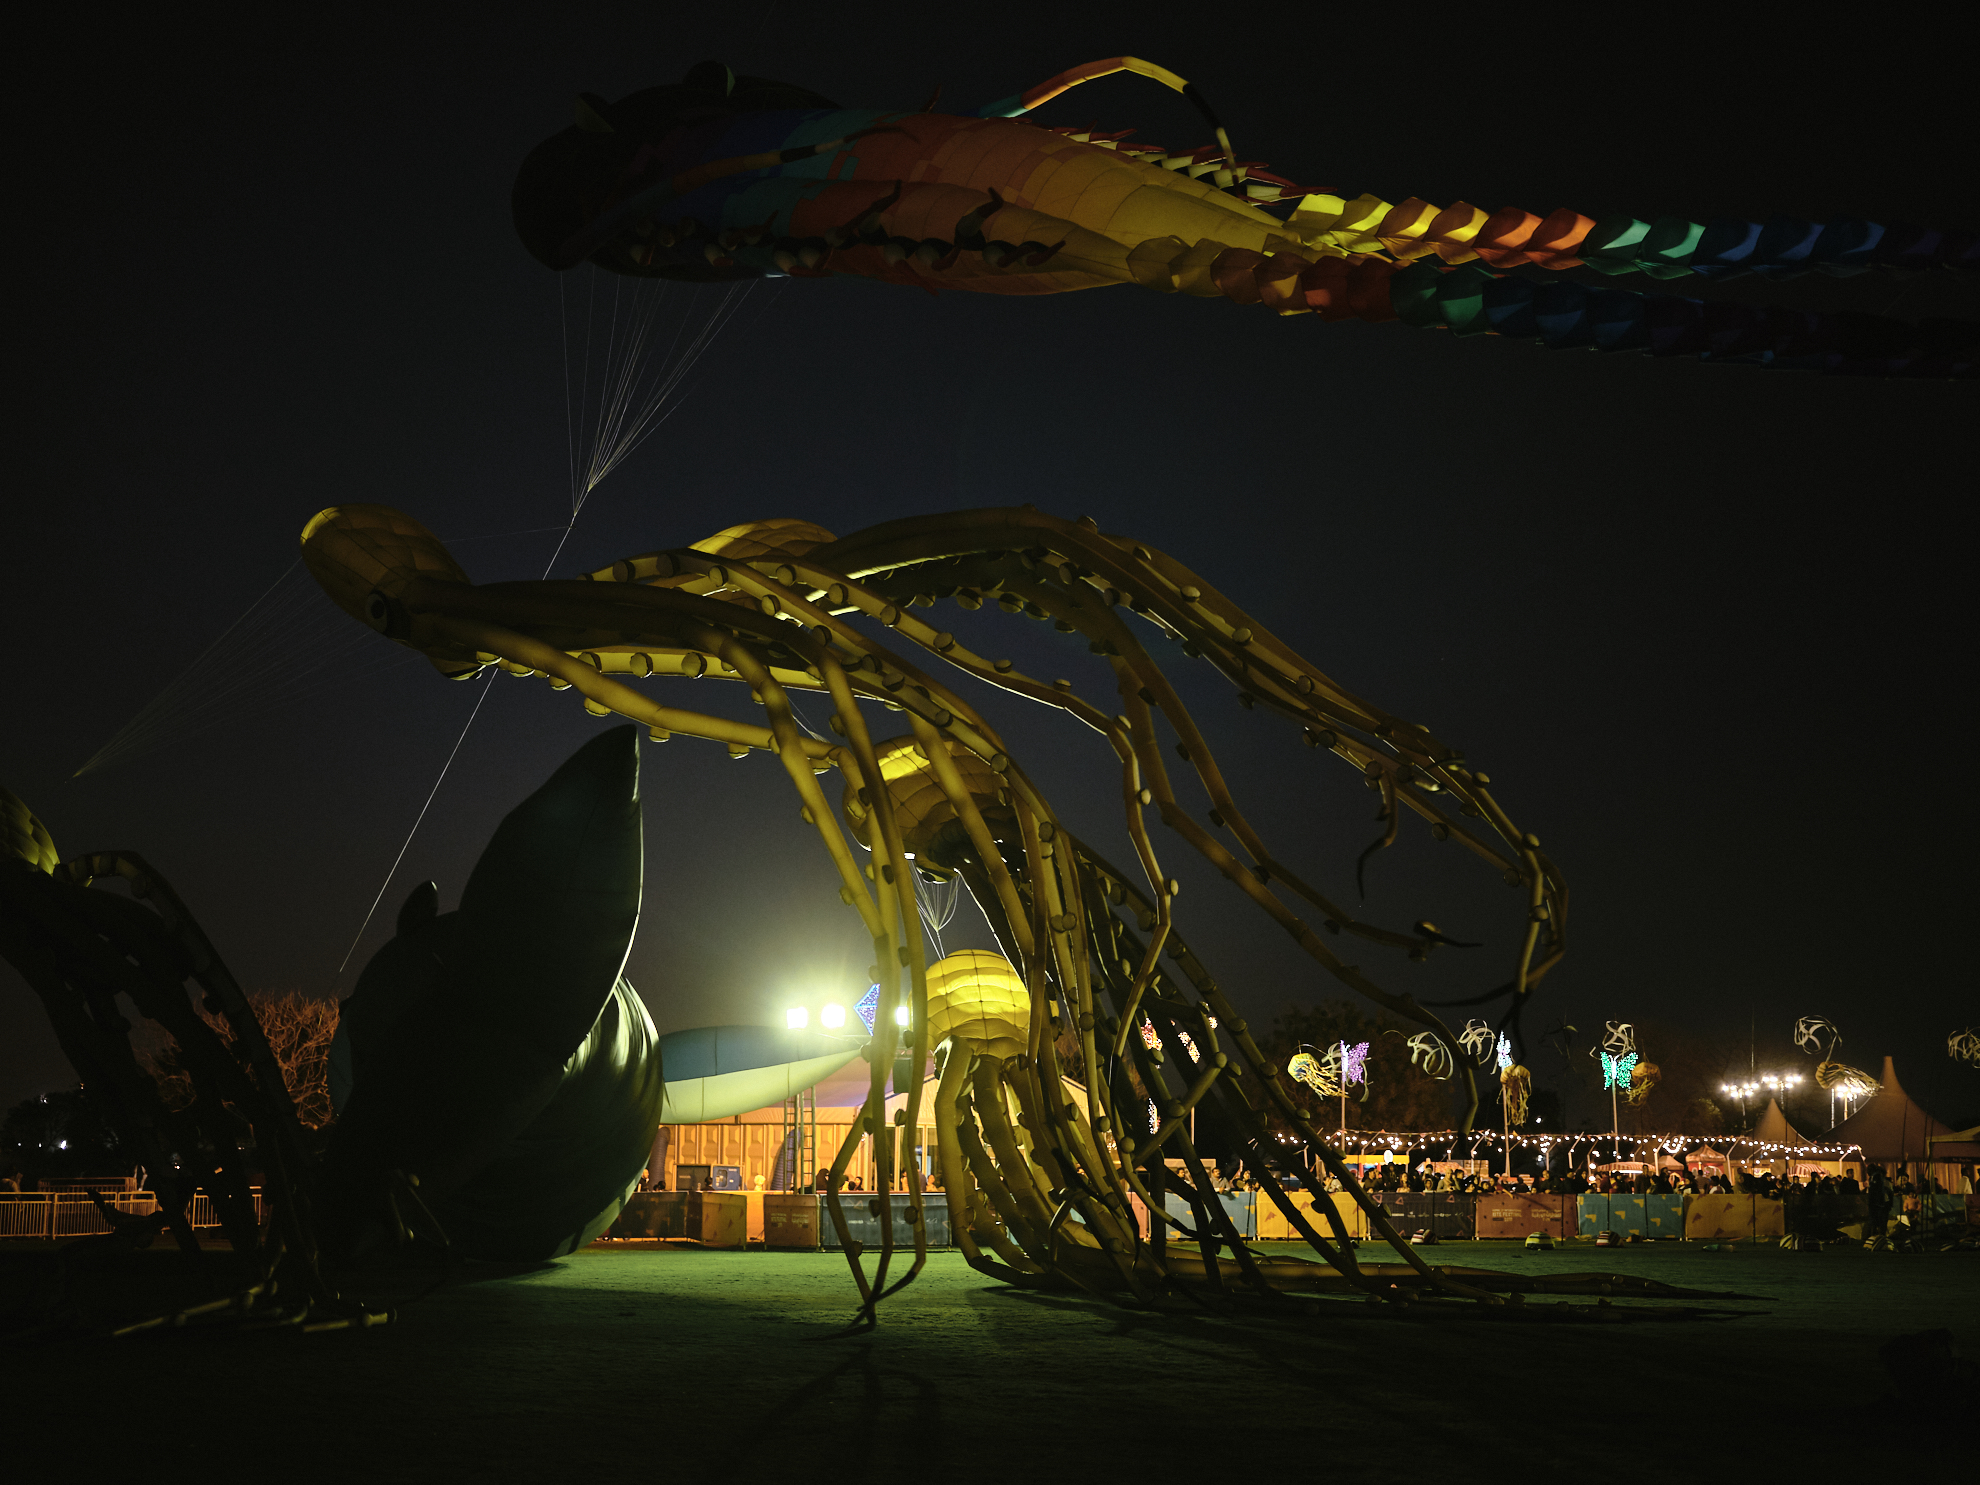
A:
(1669, 1180)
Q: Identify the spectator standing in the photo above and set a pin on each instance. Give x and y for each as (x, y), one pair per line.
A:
(1879, 1202)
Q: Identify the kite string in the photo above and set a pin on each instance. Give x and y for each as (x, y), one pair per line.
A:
(486, 686)
(564, 338)
(256, 656)
(610, 435)
(628, 414)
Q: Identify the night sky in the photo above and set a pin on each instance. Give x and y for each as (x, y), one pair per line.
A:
(1706, 627)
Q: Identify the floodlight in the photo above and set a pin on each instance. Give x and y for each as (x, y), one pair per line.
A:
(900, 1015)
(833, 1016)
(796, 1018)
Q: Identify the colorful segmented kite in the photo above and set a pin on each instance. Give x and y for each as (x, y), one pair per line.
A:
(724, 177)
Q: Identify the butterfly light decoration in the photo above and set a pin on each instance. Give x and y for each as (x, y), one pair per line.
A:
(1616, 1071)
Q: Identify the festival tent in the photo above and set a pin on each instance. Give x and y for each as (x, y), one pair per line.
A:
(1781, 1144)
(1891, 1128)
(1962, 1145)
(1774, 1129)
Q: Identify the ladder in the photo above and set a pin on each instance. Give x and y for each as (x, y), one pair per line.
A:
(801, 1139)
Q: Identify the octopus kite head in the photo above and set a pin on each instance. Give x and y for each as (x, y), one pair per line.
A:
(23, 837)
(572, 178)
(369, 558)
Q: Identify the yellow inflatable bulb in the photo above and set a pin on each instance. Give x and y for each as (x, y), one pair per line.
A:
(927, 820)
(979, 999)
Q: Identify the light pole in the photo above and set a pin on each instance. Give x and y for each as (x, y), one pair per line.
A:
(1779, 1084)
(1742, 1092)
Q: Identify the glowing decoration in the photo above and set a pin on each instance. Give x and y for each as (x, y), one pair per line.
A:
(1616, 1070)
(1505, 1052)
(723, 177)
(1642, 1081)
(1618, 1037)
(1809, 1032)
(1427, 1051)
(1820, 1037)
(1515, 1087)
(1091, 951)
(868, 1009)
(1354, 1063)
(1964, 1046)
(1476, 1039)
(1846, 1082)
(1311, 1071)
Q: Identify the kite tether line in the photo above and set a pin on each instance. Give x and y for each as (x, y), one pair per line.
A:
(631, 405)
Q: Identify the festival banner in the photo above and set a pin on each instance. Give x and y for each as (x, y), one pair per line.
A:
(1517, 1214)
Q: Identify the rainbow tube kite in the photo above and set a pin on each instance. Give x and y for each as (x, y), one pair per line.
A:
(724, 177)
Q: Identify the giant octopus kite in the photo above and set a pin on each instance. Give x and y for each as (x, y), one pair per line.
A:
(724, 177)
(1041, 1182)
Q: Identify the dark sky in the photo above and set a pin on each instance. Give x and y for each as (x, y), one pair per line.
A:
(1706, 627)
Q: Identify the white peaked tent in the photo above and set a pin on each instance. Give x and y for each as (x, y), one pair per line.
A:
(1891, 1128)
(1774, 1129)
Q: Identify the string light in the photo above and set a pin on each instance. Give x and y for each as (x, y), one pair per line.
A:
(1670, 1144)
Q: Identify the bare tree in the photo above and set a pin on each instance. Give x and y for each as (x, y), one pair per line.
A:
(299, 1029)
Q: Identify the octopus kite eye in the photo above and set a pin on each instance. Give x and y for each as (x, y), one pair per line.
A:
(384, 615)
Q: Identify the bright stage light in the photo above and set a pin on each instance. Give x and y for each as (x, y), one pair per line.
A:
(900, 1015)
(796, 1018)
(833, 1016)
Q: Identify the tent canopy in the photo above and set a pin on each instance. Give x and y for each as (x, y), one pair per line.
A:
(1774, 1128)
(1962, 1145)
(1890, 1127)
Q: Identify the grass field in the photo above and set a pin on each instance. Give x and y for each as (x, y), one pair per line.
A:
(648, 1361)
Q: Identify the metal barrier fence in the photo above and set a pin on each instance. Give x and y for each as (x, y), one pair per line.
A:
(52, 1215)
